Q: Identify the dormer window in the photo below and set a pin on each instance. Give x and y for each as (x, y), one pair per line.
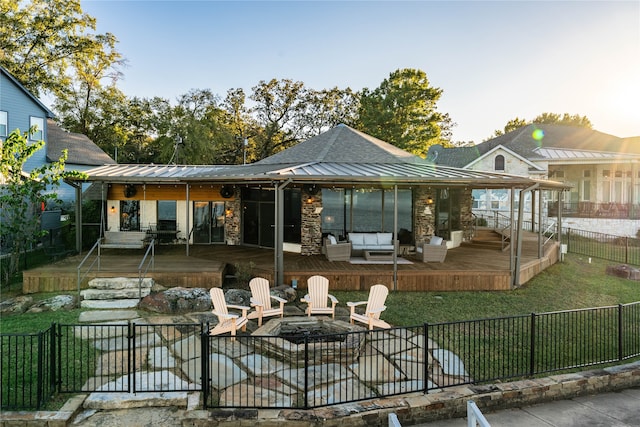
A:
(36, 123)
(499, 163)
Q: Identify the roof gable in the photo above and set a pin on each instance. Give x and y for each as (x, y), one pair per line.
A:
(80, 149)
(342, 144)
(47, 111)
(522, 143)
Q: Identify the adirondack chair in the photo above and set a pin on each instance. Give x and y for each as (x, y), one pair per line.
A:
(261, 300)
(318, 296)
(375, 306)
(227, 322)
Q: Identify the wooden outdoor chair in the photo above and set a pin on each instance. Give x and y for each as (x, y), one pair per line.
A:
(375, 306)
(261, 300)
(318, 296)
(227, 322)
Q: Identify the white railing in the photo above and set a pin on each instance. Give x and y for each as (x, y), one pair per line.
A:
(474, 416)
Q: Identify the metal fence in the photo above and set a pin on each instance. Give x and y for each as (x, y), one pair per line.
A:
(27, 366)
(308, 370)
(600, 245)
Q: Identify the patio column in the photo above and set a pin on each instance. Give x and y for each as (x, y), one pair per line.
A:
(187, 220)
(278, 269)
(516, 271)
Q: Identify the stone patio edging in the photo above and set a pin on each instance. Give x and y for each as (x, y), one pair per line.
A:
(411, 408)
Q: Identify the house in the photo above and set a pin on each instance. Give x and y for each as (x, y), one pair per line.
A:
(601, 170)
(339, 182)
(19, 109)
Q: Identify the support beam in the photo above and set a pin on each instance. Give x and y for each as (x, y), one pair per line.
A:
(278, 269)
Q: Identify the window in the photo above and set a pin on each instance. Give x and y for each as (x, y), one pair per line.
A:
(586, 173)
(38, 124)
(129, 215)
(499, 162)
(3, 123)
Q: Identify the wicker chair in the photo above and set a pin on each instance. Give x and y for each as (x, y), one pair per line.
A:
(433, 252)
(338, 251)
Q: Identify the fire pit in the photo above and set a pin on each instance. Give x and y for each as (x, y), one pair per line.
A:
(325, 340)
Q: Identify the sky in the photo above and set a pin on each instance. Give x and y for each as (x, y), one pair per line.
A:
(494, 61)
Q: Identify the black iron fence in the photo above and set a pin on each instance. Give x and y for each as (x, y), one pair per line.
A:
(312, 368)
(605, 246)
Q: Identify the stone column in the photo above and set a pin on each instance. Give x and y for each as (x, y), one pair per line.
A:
(311, 226)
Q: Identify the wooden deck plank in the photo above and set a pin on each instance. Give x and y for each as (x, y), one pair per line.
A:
(465, 268)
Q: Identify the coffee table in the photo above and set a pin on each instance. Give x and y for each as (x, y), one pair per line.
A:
(378, 255)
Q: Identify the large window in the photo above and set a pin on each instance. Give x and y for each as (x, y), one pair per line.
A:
(4, 124)
(364, 210)
(166, 215)
(36, 123)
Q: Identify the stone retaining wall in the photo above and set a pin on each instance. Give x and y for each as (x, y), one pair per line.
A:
(411, 408)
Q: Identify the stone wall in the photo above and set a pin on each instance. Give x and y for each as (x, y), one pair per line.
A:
(311, 227)
(617, 227)
(233, 213)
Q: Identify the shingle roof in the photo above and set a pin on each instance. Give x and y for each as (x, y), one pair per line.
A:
(342, 144)
(80, 149)
(367, 161)
(522, 142)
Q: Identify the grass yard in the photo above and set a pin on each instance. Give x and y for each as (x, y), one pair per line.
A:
(572, 284)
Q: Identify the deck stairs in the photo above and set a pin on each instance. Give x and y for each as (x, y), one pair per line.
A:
(109, 293)
(488, 238)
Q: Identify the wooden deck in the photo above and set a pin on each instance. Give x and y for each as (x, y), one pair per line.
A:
(465, 268)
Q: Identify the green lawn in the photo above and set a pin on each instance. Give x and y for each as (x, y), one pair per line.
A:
(574, 283)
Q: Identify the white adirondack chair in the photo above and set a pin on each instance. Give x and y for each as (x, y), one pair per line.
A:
(318, 297)
(375, 306)
(261, 300)
(227, 322)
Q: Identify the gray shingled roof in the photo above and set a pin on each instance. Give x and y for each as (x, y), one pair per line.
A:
(342, 144)
(522, 142)
(80, 149)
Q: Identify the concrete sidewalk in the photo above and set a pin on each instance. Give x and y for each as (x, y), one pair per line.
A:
(618, 409)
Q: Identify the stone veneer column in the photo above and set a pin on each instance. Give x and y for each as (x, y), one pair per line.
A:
(311, 226)
(232, 222)
(423, 214)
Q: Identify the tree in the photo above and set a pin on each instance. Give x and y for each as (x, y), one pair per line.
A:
(280, 105)
(403, 112)
(327, 108)
(512, 124)
(546, 118)
(22, 194)
(42, 43)
(566, 119)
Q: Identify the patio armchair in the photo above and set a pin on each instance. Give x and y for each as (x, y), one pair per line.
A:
(375, 306)
(227, 322)
(337, 251)
(261, 300)
(433, 251)
(318, 297)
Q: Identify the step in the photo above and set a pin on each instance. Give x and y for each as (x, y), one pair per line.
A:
(105, 316)
(102, 294)
(110, 304)
(119, 283)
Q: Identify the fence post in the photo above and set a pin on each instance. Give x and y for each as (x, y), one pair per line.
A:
(131, 354)
(532, 345)
(205, 378)
(620, 332)
(52, 357)
(39, 381)
(306, 370)
(425, 379)
(59, 367)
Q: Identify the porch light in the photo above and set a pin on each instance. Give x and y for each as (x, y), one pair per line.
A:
(429, 200)
(228, 212)
(113, 209)
(309, 200)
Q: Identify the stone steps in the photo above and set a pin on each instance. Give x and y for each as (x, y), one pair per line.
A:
(114, 293)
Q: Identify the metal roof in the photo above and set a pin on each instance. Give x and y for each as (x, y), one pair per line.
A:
(316, 172)
(567, 154)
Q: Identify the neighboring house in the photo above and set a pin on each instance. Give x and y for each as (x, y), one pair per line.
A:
(19, 109)
(603, 171)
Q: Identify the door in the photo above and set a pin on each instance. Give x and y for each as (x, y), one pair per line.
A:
(208, 222)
